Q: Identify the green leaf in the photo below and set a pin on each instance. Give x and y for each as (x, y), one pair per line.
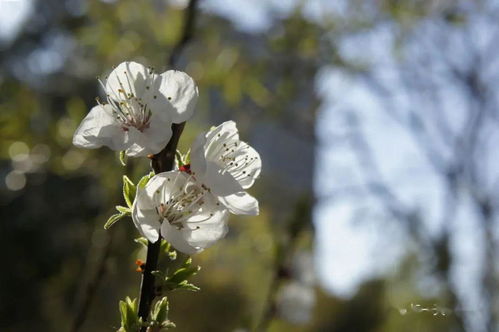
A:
(130, 320)
(160, 311)
(113, 219)
(183, 274)
(165, 246)
(187, 262)
(143, 181)
(123, 158)
(167, 325)
(124, 210)
(172, 255)
(129, 191)
(187, 286)
(142, 240)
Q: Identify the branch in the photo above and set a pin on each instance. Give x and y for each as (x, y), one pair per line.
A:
(187, 33)
(163, 162)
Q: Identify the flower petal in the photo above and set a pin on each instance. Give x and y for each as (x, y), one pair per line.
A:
(250, 165)
(144, 217)
(176, 238)
(181, 92)
(130, 78)
(163, 185)
(241, 203)
(204, 229)
(100, 128)
(149, 141)
(198, 160)
(221, 183)
(223, 132)
(200, 231)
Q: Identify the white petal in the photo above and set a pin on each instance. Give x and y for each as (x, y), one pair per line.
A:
(145, 219)
(198, 160)
(241, 203)
(225, 131)
(181, 92)
(204, 230)
(163, 185)
(149, 141)
(100, 128)
(199, 232)
(130, 78)
(220, 183)
(251, 165)
(176, 238)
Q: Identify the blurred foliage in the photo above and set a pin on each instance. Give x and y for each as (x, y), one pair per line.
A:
(55, 198)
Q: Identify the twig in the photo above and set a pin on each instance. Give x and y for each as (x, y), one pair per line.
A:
(187, 33)
(163, 162)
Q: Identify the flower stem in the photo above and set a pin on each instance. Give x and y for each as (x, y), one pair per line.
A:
(161, 162)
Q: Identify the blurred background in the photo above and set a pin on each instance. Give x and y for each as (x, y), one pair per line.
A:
(377, 123)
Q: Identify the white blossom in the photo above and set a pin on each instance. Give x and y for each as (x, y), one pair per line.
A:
(227, 166)
(139, 110)
(185, 213)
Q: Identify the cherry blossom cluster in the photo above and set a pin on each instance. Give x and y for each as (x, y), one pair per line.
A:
(188, 206)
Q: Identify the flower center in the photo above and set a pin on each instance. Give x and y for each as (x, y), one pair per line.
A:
(128, 108)
(182, 204)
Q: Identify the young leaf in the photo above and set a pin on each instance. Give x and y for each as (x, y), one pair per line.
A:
(142, 240)
(187, 286)
(160, 311)
(123, 158)
(143, 181)
(183, 274)
(130, 320)
(113, 219)
(124, 210)
(129, 190)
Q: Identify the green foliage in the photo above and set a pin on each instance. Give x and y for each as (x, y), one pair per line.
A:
(178, 280)
(113, 219)
(143, 181)
(159, 317)
(129, 191)
(142, 241)
(123, 158)
(130, 320)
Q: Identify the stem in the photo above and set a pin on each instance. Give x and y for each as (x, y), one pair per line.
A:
(161, 162)
(187, 32)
